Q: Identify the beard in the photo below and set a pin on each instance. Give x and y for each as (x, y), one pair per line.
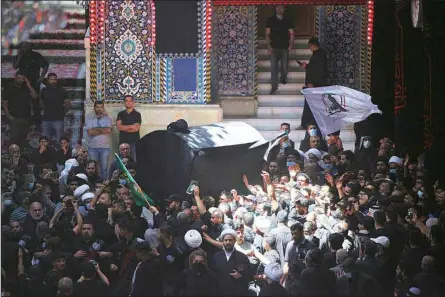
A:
(228, 247)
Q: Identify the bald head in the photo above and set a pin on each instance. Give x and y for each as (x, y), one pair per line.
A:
(13, 147)
(124, 150)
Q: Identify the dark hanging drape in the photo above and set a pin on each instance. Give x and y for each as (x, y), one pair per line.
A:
(382, 75)
(410, 82)
(434, 33)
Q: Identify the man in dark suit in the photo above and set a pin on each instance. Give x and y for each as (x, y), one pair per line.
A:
(231, 267)
(316, 75)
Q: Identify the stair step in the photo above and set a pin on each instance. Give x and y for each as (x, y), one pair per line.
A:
(76, 26)
(54, 56)
(75, 14)
(298, 43)
(292, 77)
(65, 44)
(280, 100)
(279, 112)
(266, 64)
(347, 136)
(63, 71)
(287, 89)
(295, 54)
(76, 92)
(268, 124)
(60, 34)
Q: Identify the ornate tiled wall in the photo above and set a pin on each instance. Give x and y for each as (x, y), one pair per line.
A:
(182, 78)
(128, 50)
(132, 65)
(342, 33)
(234, 43)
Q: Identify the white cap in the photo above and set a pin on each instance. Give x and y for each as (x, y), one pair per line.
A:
(262, 224)
(87, 196)
(315, 152)
(230, 232)
(431, 222)
(397, 160)
(79, 191)
(82, 176)
(382, 240)
(193, 239)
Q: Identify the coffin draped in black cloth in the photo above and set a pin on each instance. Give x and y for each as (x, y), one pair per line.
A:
(217, 156)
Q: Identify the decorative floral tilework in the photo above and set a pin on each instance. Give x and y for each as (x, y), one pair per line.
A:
(340, 33)
(128, 51)
(234, 49)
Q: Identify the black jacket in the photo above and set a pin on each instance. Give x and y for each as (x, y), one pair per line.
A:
(205, 284)
(317, 69)
(148, 280)
(273, 289)
(229, 286)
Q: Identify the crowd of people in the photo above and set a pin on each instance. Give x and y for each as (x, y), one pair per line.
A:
(325, 222)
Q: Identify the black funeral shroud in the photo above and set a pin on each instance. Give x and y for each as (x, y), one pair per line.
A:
(217, 156)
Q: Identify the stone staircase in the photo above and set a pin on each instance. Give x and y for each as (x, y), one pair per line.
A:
(64, 50)
(286, 104)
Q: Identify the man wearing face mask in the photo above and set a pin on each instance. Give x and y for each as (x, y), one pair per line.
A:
(366, 155)
(17, 106)
(55, 105)
(395, 167)
(312, 130)
(232, 267)
(199, 280)
(285, 145)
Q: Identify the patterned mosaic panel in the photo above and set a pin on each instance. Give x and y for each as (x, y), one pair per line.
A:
(165, 78)
(234, 38)
(340, 34)
(128, 51)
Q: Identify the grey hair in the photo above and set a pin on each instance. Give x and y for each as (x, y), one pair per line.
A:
(428, 263)
(65, 286)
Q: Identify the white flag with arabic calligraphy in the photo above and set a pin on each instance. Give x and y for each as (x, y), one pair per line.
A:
(335, 107)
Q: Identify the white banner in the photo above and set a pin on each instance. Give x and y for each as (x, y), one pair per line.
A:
(335, 107)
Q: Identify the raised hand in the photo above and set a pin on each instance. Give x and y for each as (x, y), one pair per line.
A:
(245, 181)
(266, 177)
(196, 191)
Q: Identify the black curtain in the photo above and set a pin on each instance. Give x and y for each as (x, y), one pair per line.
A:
(434, 24)
(382, 67)
(176, 27)
(409, 118)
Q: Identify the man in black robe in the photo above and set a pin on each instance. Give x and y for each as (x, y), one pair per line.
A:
(316, 76)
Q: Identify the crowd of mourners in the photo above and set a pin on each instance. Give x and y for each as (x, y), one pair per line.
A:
(325, 222)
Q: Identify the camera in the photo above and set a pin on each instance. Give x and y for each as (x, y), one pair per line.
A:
(69, 203)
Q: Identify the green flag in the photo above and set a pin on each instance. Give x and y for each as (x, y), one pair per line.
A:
(139, 197)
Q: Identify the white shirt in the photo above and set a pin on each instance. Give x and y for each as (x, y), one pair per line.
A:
(228, 254)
